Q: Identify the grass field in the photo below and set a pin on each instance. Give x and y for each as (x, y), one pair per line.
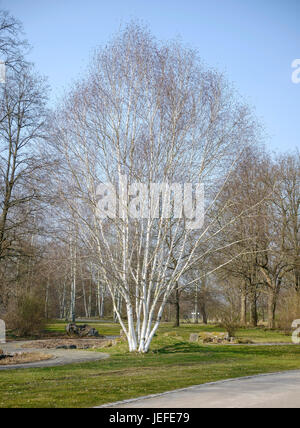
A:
(256, 335)
(172, 363)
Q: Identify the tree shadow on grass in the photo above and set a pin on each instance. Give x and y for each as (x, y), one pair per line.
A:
(227, 351)
(181, 347)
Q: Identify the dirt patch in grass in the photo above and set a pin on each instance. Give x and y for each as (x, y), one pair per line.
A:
(54, 343)
(23, 358)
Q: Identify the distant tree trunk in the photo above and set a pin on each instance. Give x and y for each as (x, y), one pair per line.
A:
(177, 307)
(90, 301)
(63, 302)
(196, 319)
(297, 280)
(253, 307)
(73, 300)
(244, 306)
(168, 312)
(100, 297)
(273, 282)
(47, 299)
(203, 301)
(272, 303)
(84, 299)
(203, 312)
(73, 283)
(118, 299)
(83, 291)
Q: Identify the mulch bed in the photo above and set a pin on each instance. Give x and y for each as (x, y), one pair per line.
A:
(66, 343)
(23, 358)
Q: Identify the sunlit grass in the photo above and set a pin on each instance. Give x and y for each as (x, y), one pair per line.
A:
(256, 335)
(172, 363)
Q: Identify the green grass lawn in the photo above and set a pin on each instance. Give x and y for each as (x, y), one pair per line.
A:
(256, 335)
(172, 363)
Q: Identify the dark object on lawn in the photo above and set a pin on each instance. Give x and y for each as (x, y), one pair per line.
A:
(81, 330)
(93, 333)
(3, 356)
(72, 329)
(66, 347)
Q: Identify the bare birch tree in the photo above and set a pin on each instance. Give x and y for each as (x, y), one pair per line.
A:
(147, 112)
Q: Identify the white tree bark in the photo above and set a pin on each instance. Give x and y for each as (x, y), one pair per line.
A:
(73, 258)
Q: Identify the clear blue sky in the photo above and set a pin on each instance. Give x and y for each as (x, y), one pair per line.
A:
(253, 41)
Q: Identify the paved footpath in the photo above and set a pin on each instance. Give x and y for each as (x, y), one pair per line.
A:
(60, 356)
(278, 390)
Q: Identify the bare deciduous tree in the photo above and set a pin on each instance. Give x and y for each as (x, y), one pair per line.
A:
(22, 116)
(151, 112)
(12, 45)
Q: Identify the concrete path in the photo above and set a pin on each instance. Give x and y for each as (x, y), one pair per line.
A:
(279, 390)
(61, 357)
